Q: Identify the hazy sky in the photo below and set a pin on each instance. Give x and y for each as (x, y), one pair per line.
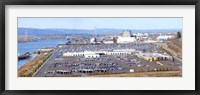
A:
(91, 23)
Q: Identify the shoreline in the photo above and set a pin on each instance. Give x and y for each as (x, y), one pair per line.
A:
(23, 39)
(29, 68)
(33, 56)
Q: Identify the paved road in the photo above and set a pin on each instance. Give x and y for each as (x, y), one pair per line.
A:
(44, 66)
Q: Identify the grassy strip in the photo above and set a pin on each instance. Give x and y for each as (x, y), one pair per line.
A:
(144, 74)
(30, 68)
(168, 52)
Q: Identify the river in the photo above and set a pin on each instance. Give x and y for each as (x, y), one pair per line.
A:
(34, 46)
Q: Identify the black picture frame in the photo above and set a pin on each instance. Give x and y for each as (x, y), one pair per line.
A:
(3, 3)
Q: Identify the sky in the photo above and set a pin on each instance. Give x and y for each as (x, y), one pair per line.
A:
(91, 23)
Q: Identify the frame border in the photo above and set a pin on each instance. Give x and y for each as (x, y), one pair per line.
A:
(3, 3)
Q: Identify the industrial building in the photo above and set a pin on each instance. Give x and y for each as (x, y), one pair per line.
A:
(95, 54)
(126, 37)
(164, 38)
(45, 49)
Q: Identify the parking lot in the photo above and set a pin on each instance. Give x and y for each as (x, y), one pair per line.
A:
(59, 66)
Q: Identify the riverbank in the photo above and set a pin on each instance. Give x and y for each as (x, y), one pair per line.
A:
(24, 39)
(34, 46)
(28, 69)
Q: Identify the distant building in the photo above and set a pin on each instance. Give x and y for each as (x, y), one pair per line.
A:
(126, 37)
(163, 38)
(93, 40)
(108, 42)
(141, 36)
(45, 50)
(126, 33)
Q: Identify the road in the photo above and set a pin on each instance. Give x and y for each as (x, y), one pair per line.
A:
(37, 73)
(173, 53)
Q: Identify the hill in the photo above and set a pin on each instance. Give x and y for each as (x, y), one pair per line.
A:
(42, 32)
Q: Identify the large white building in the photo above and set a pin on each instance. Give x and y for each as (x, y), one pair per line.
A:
(126, 37)
(95, 54)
